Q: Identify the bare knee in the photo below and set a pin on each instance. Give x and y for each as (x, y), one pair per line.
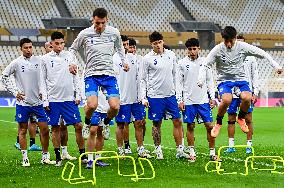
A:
(227, 99)
(190, 126)
(246, 96)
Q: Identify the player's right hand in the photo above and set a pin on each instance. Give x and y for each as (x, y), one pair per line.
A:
(47, 108)
(20, 96)
(126, 67)
(73, 69)
(279, 71)
(181, 106)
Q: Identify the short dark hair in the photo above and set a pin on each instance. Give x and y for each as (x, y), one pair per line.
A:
(229, 32)
(57, 35)
(192, 42)
(100, 12)
(124, 38)
(132, 42)
(241, 36)
(25, 40)
(155, 36)
(167, 47)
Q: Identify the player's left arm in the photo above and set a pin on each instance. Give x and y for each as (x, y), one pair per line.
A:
(210, 87)
(257, 52)
(254, 76)
(120, 50)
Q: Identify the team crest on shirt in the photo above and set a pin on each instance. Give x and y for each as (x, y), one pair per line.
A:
(36, 66)
(155, 62)
(132, 61)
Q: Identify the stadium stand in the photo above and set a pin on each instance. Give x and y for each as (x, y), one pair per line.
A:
(133, 15)
(26, 13)
(267, 16)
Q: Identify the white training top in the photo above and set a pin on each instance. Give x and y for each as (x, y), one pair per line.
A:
(26, 72)
(128, 82)
(158, 75)
(99, 49)
(230, 62)
(59, 84)
(187, 89)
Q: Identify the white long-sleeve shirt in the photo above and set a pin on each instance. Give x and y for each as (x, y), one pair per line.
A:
(187, 76)
(99, 49)
(230, 62)
(158, 79)
(252, 74)
(128, 82)
(26, 72)
(59, 84)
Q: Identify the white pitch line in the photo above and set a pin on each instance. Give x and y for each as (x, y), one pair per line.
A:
(170, 148)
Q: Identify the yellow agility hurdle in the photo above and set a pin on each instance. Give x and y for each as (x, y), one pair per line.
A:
(273, 159)
(218, 163)
(82, 179)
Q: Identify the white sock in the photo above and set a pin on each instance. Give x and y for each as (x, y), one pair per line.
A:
(212, 151)
(158, 147)
(191, 151)
(45, 155)
(249, 142)
(25, 154)
(231, 142)
(98, 155)
(90, 157)
(64, 150)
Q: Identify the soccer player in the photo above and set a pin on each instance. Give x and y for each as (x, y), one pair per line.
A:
(194, 100)
(158, 92)
(28, 92)
(229, 57)
(32, 127)
(252, 74)
(99, 42)
(96, 139)
(59, 87)
(129, 87)
(133, 49)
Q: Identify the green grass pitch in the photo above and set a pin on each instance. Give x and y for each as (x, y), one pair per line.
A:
(170, 172)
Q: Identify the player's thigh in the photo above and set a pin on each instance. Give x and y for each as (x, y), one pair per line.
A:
(39, 113)
(54, 113)
(70, 113)
(172, 107)
(205, 112)
(233, 108)
(137, 110)
(124, 114)
(157, 109)
(22, 113)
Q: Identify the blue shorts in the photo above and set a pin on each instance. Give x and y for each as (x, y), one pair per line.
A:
(125, 112)
(226, 87)
(109, 83)
(97, 118)
(68, 110)
(23, 113)
(159, 106)
(191, 112)
(235, 104)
